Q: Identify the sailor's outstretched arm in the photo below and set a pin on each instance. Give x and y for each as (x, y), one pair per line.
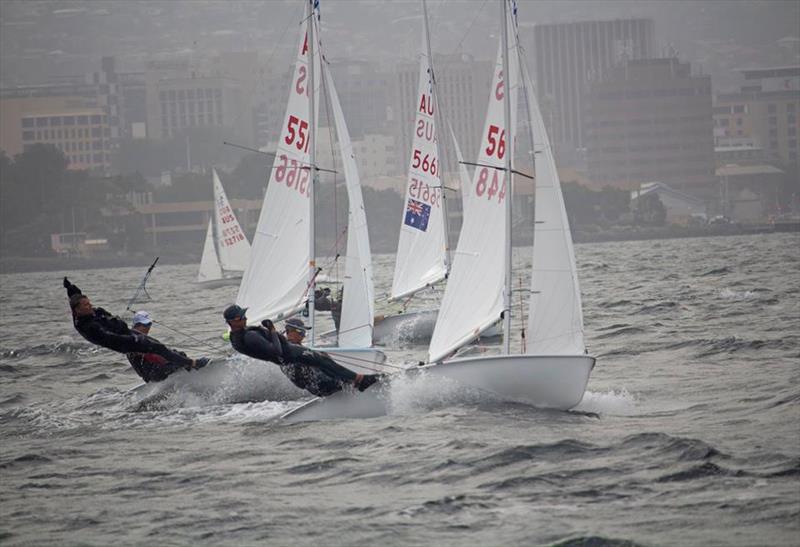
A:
(71, 289)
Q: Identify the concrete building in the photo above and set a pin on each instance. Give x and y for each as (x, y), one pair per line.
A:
(766, 110)
(78, 115)
(651, 120)
(567, 57)
(183, 94)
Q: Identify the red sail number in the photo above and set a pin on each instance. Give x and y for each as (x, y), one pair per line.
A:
(298, 130)
(494, 187)
(495, 146)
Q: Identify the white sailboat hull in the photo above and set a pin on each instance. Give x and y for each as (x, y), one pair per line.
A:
(545, 381)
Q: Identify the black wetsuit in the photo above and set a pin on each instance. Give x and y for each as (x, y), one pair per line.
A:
(109, 331)
(307, 369)
(152, 367)
(323, 302)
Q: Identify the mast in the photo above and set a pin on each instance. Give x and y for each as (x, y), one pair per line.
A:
(312, 260)
(436, 119)
(508, 180)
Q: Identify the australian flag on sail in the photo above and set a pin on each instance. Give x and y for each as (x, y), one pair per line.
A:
(417, 214)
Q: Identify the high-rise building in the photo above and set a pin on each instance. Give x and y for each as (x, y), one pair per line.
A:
(650, 120)
(567, 56)
(766, 112)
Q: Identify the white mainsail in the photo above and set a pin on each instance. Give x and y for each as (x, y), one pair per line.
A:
(358, 304)
(233, 249)
(276, 279)
(555, 316)
(473, 299)
(210, 269)
(422, 248)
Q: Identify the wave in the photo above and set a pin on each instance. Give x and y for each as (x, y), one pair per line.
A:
(596, 541)
(716, 271)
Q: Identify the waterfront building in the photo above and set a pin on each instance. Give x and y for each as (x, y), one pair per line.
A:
(567, 57)
(765, 110)
(650, 120)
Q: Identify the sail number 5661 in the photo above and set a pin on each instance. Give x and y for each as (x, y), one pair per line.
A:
(291, 173)
(427, 164)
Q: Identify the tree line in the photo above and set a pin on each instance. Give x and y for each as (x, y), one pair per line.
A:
(40, 196)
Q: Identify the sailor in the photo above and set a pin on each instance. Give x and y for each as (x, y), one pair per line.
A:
(106, 330)
(324, 302)
(311, 370)
(150, 366)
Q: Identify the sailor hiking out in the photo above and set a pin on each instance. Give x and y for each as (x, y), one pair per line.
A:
(109, 331)
(311, 370)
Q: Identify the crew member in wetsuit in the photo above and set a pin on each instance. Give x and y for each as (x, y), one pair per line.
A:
(311, 370)
(324, 302)
(106, 330)
(152, 367)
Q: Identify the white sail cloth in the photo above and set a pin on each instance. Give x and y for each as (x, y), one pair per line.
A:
(358, 305)
(473, 299)
(555, 316)
(422, 248)
(276, 279)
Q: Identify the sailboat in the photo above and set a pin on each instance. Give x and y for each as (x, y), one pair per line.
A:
(226, 250)
(280, 278)
(422, 249)
(554, 369)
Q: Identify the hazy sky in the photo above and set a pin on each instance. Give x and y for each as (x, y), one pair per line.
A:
(41, 39)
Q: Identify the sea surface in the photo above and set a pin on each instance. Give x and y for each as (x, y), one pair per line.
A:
(688, 434)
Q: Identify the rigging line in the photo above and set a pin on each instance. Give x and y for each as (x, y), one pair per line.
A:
(217, 349)
(354, 360)
(141, 286)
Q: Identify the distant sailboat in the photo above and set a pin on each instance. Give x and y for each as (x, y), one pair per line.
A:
(226, 250)
(422, 251)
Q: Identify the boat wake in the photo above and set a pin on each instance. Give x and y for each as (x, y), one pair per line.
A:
(237, 379)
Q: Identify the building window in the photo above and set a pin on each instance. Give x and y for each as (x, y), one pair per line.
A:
(790, 107)
(27, 135)
(739, 108)
(792, 143)
(162, 95)
(792, 131)
(773, 132)
(790, 119)
(772, 109)
(773, 144)
(773, 120)
(96, 119)
(171, 94)
(83, 120)
(41, 122)
(181, 95)
(27, 122)
(738, 122)
(69, 120)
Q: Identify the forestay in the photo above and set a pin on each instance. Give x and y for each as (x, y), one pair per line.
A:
(232, 247)
(358, 305)
(421, 258)
(473, 299)
(276, 280)
(555, 317)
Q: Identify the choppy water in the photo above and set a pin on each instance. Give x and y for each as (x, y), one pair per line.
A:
(689, 433)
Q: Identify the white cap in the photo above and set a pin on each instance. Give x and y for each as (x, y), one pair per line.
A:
(142, 318)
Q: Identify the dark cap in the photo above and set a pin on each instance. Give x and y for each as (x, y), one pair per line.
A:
(234, 312)
(297, 324)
